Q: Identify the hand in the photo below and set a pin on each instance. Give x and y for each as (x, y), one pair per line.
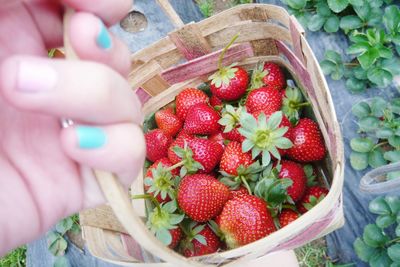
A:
(42, 179)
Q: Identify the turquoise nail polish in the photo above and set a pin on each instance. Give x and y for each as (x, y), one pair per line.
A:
(90, 137)
(104, 38)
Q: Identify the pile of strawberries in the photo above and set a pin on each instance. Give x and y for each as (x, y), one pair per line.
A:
(230, 167)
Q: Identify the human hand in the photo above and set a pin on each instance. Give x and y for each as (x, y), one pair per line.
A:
(42, 179)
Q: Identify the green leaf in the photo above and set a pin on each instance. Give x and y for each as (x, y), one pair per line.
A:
(61, 262)
(374, 236)
(380, 77)
(363, 251)
(359, 47)
(394, 203)
(392, 156)
(323, 9)
(64, 225)
(362, 145)
(355, 85)
(384, 133)
(393, 175)
(368, 124)
(394, 252)
(201, 239)
(359, 161)
(363, 11)
(378, 106)
(316, 22)
(394, 141)
(332, 24)
(392, 65)
(379, 206)
(356, 2)
(58, 247)
(338, 5)
(333, 56)
(391, 18)
(381, 259)
(361, 110)
(385, 221)
(360, 73)
(376, 159)
(350, 22)
(164, 236)
(368, 58)
(296, 4)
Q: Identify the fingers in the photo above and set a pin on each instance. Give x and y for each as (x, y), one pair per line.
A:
(83, 91)
(109, 11)
(91, 40)
(118, 148)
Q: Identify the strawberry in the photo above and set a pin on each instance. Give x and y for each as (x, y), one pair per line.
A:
(287, 216)
(234, 135)
(229, 83)
(159, 182)
(215, 102)
(202, 196)
(157, 144)
(308, 144)
(239, 192)
(205, 152)
(167, 121)
(233, 157)
(201, 119)
(294, 172)
(274, 77)
(267, 99)
(176, 237)
(245, 219)
(312, 197)
(187, 98)
(230, 119)
(200, 241)
(218, 138)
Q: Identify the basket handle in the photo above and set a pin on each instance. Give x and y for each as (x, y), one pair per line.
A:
(369, 183)
(119, 200)
(171, 13)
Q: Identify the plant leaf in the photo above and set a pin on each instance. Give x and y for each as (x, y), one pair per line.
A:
(376, 159)
(392, 156)
(332, 24)
(296, 4)
(350, 22)
(374, 236)
(359, 161)
(379, 206)
(380, 77)
(338, 5)
(361, 110)
(363, 251)
(362, 145)
(394, 252)
(368, 58)
(316, 22)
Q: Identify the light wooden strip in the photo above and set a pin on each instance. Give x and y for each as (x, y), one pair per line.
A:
(296, 31)
(147, 77)
(206, 64)
(190, 42)
(101, 217)
(170, 11)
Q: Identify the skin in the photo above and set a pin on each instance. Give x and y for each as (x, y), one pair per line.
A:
(44, 175)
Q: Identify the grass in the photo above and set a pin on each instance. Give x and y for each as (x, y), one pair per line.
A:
(16, 258)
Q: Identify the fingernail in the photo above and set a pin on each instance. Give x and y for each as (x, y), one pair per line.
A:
(34, 76)
(90, 137)
(104, 38)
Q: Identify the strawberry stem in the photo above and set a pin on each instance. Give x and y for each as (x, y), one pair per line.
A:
(179, 164)
(246, 184)
(150, 197)
(221, 57)
(295, 105)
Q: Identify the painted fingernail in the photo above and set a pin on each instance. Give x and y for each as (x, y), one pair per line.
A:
(35, 76)
(104, 38)
(90, 137)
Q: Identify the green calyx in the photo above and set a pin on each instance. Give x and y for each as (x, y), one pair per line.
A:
(163, 182)
(273, 189)
(313, 201)
(293, 103)
(189, 165)
(230, 117)
(160, 221)
(247, 176)
(192, 231)
(264, 136)
(309, 172)
(257, 77)
(224, 74)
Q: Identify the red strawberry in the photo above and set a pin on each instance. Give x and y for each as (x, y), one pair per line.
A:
(229, 83)
(312, 197)
(167, 121)
(308, 144)
(218, 138)
(176, 237)
(202, 119)
(179, 141)
(192, 247)
(215, 102)
(239, 192)
(244, 220)
(157, 144)
(233, 157)
(163, 180)
(206, 152)
(202, 196)
(267, 99)
(294, 172)
(287, 216)
(274, 77)
(187, 98)
(234, 135)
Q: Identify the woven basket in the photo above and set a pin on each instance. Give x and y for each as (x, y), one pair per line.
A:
(184, 59)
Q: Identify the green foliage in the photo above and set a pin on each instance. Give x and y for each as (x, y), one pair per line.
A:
(373, 29)
(206, 7)
(379, 134)
(16, 258)
(56, 241)
(378, 246)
